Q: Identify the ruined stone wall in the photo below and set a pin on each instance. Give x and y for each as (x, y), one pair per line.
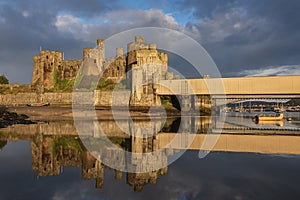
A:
(116, 69)
(18, 99)
(68, 69)
(105, 98)
(99, 98)
(31, 98)
(49, 66)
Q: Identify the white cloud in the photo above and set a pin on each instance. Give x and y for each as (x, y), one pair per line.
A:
(25, 13)
(71, 24)
(117, 21)
(273, 71)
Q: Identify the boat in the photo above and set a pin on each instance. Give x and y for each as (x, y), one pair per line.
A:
(270, 117)
(38, 104)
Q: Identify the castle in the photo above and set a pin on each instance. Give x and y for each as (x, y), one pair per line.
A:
(51, 63)
(50, 66)
(142, 66)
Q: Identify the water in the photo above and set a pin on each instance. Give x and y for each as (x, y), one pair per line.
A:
(48, 161)
(245, 119)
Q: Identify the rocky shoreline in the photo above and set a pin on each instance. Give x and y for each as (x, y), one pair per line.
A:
(9, 118)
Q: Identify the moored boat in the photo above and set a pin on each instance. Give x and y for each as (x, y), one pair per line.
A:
(272, 117)
(38, 104)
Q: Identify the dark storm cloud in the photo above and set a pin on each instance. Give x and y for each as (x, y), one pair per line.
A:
(28, 25)
(243, 35)
(240, 35)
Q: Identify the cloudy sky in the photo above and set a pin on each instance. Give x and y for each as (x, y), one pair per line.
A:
(257, 37)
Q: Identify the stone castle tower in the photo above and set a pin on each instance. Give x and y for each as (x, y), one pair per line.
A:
(50, 65)
(146, 66)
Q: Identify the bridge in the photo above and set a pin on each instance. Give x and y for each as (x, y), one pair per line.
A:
(269, 87)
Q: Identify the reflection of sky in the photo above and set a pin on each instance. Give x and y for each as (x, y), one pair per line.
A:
(217, 176)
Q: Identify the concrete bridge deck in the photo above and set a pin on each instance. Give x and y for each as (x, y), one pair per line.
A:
(271, 86)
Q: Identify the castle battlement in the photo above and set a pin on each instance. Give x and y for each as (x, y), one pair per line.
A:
(139, 44)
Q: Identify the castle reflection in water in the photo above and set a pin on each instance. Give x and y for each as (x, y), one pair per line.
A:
(56, 144)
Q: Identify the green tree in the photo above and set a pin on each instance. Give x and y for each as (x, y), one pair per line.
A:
(3, 79)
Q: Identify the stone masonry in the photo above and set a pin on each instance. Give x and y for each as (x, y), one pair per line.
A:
(50, 66)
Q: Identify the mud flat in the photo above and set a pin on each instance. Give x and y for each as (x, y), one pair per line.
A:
(53, 113)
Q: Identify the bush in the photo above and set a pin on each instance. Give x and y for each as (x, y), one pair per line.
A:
(3, 80)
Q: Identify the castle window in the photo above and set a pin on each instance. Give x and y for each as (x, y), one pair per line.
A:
(47, 57)
(118, 71)
(95, 61)
(51, 63)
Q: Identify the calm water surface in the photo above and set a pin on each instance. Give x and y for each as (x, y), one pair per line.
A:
(39, 163)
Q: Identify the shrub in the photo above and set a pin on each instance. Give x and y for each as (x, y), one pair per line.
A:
(3, 79)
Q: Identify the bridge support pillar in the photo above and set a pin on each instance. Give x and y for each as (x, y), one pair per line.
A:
(185, 103)
(186, 125)
(216, 105)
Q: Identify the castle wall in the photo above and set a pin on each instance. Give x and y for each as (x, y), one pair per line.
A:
(68, 69)
(18, 99)
(105, 98)
(101, 98)
(115, 69)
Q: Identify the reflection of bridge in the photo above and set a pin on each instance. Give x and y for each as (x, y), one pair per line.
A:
(231, 88)
(259, 141)
(275, 144)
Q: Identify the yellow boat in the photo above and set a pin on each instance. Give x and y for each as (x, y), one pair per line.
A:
(265, 117)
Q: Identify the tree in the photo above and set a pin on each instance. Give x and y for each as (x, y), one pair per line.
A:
(3, 79)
